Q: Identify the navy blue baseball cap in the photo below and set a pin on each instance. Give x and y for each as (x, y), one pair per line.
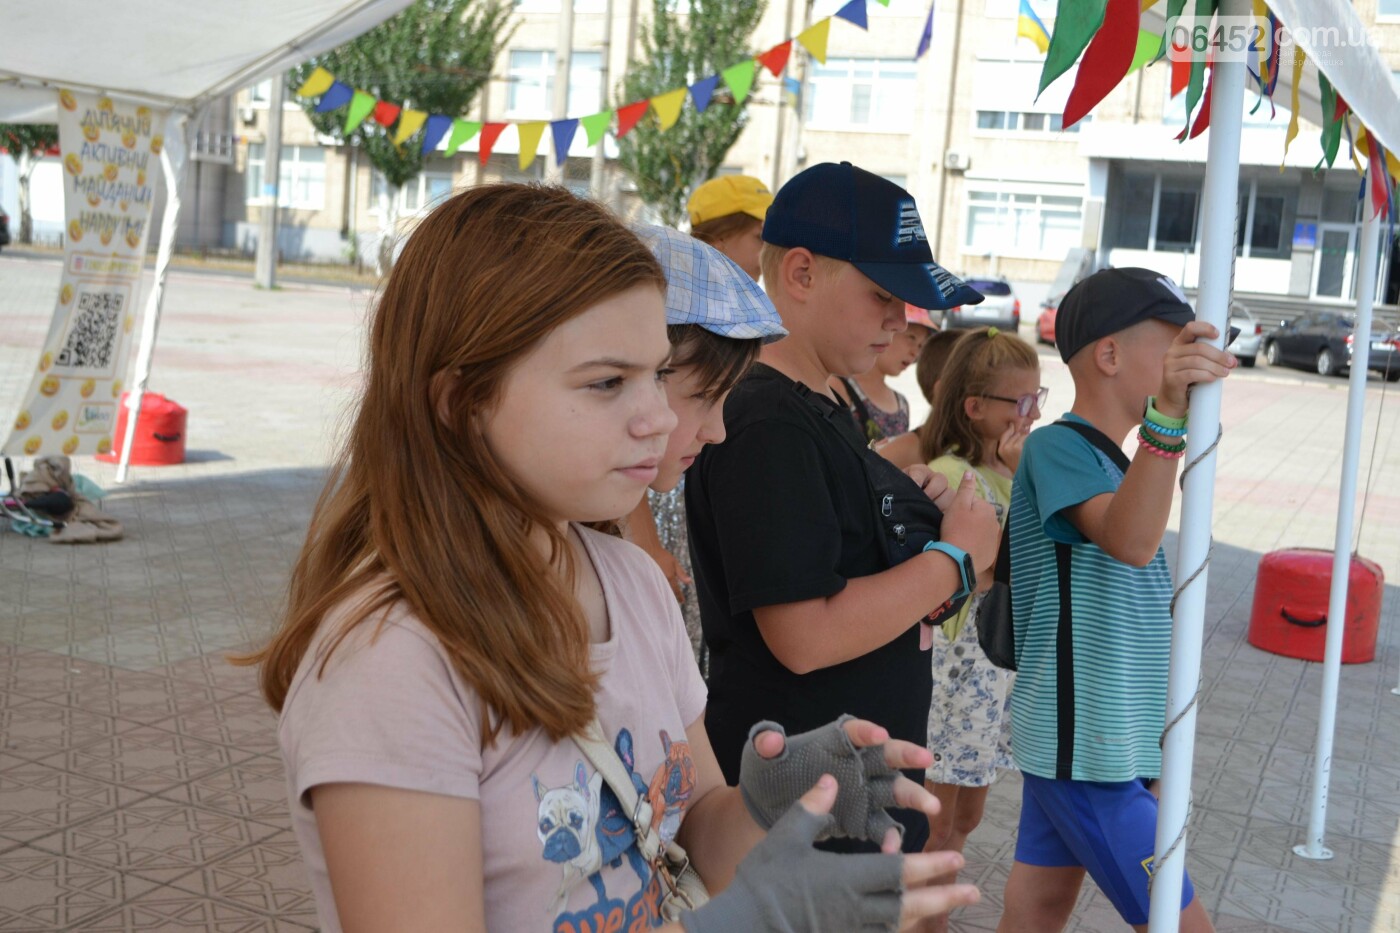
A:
(847, 213)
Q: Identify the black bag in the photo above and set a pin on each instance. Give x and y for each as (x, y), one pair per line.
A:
(996, 632)
(907, 518)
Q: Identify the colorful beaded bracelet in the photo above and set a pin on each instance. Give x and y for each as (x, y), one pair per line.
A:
(1162, 453)
(1165, 432)
(1156, 418)
(1173, 450)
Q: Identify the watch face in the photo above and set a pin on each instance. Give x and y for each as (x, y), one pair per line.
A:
(969, 570)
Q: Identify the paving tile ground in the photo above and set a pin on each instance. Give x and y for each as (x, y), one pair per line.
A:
(140, 787)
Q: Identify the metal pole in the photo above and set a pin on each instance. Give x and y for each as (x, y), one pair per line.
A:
(173, 159)
(1218, 220)
(595, 171)
(781, 127)
(563, 58)
(1341, 557)
(803, 68)
(265, 266)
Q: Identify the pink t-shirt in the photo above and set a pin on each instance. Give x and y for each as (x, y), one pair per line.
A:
(558, 855)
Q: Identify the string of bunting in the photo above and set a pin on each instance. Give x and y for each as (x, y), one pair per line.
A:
(405, 122)
(1106, 39)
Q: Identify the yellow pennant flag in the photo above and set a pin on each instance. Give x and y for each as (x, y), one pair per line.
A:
(1261, 13)
(1392, 162)
(410, 122)
(318, 83)
(814, 39)
(668, 107)
(530, 134)
(1293, 104)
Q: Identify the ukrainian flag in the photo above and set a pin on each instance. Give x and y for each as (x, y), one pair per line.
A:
(1030, 26)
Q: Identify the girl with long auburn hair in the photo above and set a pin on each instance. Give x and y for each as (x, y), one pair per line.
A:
(453, 626)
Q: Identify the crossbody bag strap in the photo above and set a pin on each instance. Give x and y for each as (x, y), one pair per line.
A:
(857, 400)
(1100, 441)
(603, 757)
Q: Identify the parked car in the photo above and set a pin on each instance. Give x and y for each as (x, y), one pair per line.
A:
(1045, 324)
(1000, 307)
(1322, 341)
(4, 228)
(1246, 345)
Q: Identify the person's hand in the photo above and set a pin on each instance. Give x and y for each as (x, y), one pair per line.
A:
(898, 755)
(671, 567)
(1191, 360)
(970, 523)
(934, 485)
(784, 884)
(1011, 443)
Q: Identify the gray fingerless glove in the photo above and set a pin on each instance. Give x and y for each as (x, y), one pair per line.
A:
(786, 886)
(866, 784)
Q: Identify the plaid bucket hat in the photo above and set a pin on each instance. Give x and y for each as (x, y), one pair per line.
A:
(707, 288)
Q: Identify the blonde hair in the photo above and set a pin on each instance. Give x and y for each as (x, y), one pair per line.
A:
(770, 261)
(978, 358)
(721, 228)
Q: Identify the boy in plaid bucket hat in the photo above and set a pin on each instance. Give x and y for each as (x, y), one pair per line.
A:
(804, 617)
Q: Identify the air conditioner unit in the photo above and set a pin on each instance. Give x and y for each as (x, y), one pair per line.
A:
(248, 115)
(957, 161)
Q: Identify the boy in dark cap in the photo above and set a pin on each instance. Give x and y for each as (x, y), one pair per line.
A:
(1090, 598)
(804, 616)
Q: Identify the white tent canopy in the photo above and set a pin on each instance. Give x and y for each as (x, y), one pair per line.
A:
(169, 53)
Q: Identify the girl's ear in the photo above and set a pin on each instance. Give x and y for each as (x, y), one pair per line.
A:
(972, 407)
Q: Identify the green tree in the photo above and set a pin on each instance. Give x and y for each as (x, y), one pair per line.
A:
(667, 166)
(435, 56)
(27, 143)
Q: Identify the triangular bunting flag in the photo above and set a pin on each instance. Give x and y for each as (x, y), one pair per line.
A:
(1332, 128)
(739, 78)
(668, 107)
(462, 130)
(854, 12)
(1293, 104)
(410, 122)
(814, 39)
(437, 128)
(628, 116)
(1181, 74)
(563, 131)
(926, 39)
(316, 84)
(1149, 47)
(360, 107)
(883, 2)
(1106, 61)
(337, 95)
(490, 132)
(530, 134)
(1203, 115)
(1076, 21)
(701, 92)
(596, 125)
(386, 113)
(776, 58)
(1204, 9)
(1376, 170)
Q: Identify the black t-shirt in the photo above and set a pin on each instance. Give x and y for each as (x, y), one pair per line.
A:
(781, 512)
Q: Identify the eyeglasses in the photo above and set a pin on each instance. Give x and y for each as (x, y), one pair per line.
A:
(1026, 403)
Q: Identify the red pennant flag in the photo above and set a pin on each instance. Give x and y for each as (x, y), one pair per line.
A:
(628, 116)
(489, 134)
(386, 113)
(1203, 114)
(1342, 108)
(1181, 71)
(1376, 171)
(776, 58)
(1106, 60)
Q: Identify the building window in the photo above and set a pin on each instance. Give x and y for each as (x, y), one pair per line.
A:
(1388, 10)
(860, 93)
(260, 92)
(1026, 122)
(1042, 226)
(1265, 224)
(302, 181)
(422, 192)
(531, 90)
(1176, 217)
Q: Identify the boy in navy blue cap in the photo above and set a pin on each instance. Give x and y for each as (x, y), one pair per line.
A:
(1090, 596)
(804, 616)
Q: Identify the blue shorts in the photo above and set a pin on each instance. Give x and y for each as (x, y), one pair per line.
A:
(1109, 830)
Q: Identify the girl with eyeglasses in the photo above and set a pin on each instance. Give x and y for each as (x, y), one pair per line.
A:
(988, 396)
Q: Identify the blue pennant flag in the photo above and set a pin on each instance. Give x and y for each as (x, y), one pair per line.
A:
(926, 39)
(437, 128)
(701, 92)
(854, 12)
(563, 131)
(336, 96)
(793, 89)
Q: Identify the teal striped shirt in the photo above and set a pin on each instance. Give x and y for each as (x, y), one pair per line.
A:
(1092, 651)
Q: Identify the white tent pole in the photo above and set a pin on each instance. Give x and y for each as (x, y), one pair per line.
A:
(173, 158)
(1341, 557)
(1219, 207)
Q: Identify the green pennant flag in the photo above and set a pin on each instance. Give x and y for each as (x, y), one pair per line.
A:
(596, 125)
(1149, 49)
(1076, 21)
(739, 79)
(462, 130)
(1204, 11)
(883, 2)
(361, 106)
(1332, 125)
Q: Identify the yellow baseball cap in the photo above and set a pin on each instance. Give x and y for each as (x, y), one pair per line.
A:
(729, 194)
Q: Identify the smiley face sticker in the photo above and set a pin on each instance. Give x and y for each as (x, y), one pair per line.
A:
(70, 445)
(59, 420)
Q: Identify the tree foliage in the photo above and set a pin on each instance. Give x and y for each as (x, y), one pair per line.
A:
(27, 144)
(678, 51)
(435, 56)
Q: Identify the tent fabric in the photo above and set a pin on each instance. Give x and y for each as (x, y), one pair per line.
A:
(169, 53)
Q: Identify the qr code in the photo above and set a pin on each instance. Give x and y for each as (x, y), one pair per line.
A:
(92, 340)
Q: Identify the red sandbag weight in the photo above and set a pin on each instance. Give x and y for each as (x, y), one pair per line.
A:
(160, 434)
(1291, 594)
